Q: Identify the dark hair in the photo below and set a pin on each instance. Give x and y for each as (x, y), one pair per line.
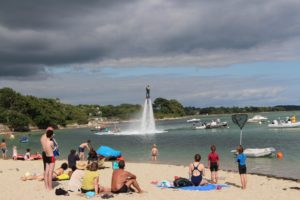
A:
(88, 141)
(240, 149)
(121, 164)
(64, 166)
(3, 140)
(28, 150)
(93, 166)
(49, 133)
(213, 148)
(197, 157)
(72, 151)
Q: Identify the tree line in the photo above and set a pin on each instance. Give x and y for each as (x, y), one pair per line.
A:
(20, 112)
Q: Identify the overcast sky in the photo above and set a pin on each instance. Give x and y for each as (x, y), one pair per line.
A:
(200, 52)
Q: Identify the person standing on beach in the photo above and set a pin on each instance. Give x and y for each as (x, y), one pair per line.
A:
(241, 159)
(213, 164)
(82, 147)
(154, 152)
(48, 157)
(3, 148)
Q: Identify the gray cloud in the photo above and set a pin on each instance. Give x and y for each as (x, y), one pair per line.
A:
(133, 33)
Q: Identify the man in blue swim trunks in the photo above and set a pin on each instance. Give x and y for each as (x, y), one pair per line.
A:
(82, 147)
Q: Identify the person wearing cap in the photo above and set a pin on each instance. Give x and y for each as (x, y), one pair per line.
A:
(154, 152)
(48, 157)
(76, 177)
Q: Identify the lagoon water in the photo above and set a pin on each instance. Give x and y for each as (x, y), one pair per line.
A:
(179, 144)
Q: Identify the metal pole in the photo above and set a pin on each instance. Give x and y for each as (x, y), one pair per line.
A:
(241, 135)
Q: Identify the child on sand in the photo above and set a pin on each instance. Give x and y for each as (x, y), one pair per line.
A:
(154, 152)
(15, 153)
(241, 159)
(213, 164)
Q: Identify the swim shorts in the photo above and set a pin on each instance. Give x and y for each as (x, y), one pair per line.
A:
(242, 169)
(214, 167)
(123, 189)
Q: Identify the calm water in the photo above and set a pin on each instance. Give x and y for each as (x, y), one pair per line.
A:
(179, 144)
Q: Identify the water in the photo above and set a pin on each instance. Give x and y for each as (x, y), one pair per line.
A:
(178, 143)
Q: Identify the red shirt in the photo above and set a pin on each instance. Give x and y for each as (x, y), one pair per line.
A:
(213, 157)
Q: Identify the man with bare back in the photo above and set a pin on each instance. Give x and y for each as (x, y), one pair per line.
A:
(82, 147)
(48, 157)
(124, 181)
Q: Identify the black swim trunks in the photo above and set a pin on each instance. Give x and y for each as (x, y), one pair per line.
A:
(85, 191)
(214, 167)
(242, 169)
(123, 189)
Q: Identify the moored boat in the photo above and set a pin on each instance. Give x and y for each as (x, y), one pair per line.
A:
(257, 119)
(194, 120)
(289, 123)
(216, 124)
(258, 152)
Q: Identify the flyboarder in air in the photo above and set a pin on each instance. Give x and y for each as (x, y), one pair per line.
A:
(148, 92)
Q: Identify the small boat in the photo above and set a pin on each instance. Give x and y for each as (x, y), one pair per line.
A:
(284, 124)
(199, 126)
(24, 139)
(193, 120)
(257, 152)
(216, 124)
(257, 119)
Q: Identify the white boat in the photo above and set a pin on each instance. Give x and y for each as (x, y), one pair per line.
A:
(216, 124)
(193, 120)
(283, 124)
(199, 126)
(257, 152)
(257, 119)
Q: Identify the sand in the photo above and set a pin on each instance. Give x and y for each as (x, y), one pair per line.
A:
(259, 187)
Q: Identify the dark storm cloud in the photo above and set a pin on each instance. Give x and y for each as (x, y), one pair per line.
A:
(35, 34)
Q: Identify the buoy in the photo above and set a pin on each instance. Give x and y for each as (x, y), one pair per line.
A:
(279, 155)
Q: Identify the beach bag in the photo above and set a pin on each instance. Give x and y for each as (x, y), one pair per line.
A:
(182, 182)
(61, 191)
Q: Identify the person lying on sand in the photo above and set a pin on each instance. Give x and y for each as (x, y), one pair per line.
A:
(59, 171)
(123, 181)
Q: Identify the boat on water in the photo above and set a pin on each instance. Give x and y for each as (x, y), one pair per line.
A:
(216, 124)
(199, 126)
(194, 120)
(257, 119)
(290, 122)
(258, 152)
(24, 139)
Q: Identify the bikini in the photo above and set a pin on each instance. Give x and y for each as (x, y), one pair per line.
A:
(196, 180)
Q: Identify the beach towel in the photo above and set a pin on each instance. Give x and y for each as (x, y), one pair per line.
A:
(193, 188)
(108, 152)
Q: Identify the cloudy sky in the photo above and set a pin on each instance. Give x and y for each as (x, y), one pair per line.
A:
(200, 52)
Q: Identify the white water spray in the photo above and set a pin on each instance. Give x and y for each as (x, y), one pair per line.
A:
(148, 122)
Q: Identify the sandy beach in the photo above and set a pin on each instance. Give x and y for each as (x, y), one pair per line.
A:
(259, 187)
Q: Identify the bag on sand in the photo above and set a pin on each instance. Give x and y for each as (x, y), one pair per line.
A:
(182, 182)
(61, 191)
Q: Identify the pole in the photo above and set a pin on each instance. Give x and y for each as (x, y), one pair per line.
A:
(241, 135)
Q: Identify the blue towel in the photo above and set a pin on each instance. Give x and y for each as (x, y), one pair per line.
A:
(203, 188)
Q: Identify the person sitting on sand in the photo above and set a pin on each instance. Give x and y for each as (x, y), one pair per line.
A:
(82, 147)
(72, 158)
(213, 164)
(90, 181)
(124, 181)
(241, 159)
(3, 148)
(27, 155)
(59, 171)
(196, 171)
(77, 175)
(154, 152)
(92, 157)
